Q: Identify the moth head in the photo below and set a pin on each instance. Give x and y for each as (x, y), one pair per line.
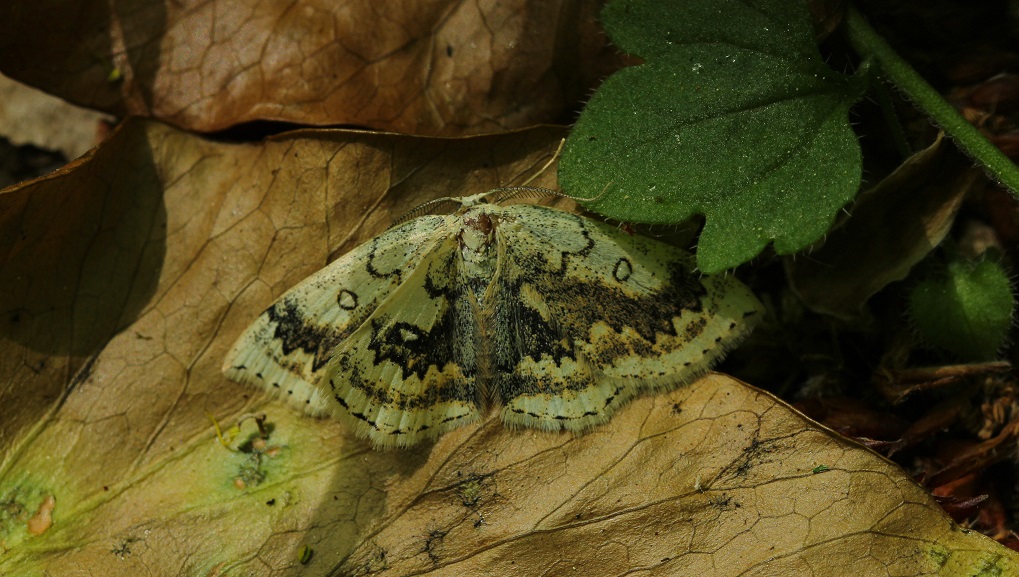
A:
(478, 230)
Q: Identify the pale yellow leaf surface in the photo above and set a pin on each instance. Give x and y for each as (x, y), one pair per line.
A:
(440, 67)
(126, 276)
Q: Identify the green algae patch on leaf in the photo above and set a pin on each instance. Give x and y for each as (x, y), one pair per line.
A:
(965, 309)
(26, 509)
(732, 115)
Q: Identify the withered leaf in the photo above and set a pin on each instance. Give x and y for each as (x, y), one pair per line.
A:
(124, 278)
(444, 67)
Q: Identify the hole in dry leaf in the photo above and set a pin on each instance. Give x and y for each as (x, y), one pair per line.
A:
(43, 518)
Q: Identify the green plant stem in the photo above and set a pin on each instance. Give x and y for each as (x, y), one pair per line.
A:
(883, 97)
(869, 44)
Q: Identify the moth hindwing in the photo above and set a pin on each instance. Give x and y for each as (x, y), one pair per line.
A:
(555, 318)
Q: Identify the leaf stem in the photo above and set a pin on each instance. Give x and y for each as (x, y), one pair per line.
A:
(883, 96)
(869, 44)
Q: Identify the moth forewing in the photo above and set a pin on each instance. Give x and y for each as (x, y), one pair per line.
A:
(285, 350)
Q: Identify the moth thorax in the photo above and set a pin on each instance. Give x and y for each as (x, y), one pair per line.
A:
(476, 236)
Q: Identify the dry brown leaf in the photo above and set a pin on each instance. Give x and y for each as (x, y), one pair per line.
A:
(894, 225)
(444, 67)
(124, 278)
(716, 478)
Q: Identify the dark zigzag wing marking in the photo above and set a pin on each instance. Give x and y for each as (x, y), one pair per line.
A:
(590, 274)
(601, 316)
(408, 372)
(285, 350)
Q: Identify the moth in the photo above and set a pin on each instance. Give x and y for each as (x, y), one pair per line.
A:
(553, 319)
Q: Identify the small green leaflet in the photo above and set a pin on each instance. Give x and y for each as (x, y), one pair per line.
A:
(966, 308)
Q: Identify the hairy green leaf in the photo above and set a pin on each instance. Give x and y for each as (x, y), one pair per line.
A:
(965, 309)
(733, 115)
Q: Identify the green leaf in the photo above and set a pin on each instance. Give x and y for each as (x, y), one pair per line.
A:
(965, 309)
(733, 115)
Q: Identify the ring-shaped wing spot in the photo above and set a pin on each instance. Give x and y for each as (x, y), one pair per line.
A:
(285, 350)
(408, 372)
(598, 316)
